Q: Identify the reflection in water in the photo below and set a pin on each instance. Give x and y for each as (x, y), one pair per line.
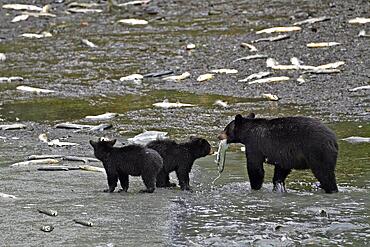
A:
(230, 214)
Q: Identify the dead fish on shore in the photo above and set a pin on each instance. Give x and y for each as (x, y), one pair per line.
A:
(44, 138)
(322, 44)
(89, 43)
(3, 195)
(57, 168)
(58, 143)
(63, 157)
(190, 46)
(158, 74)
(2, 58)
(357, 139)
(359, 20)
(272, 39)
(22, 7)
(11, 79)
(257, 56)
(83, 5)
(363, 33)
(12, 126)
(49, 212)
(92, 168)
(224, 71)
(35, 162)
(269, 79)
(84, 222)
(331, 65)
(36, 35)
(133, 22)
(205, 77)
(221, 103)
(251, 48)
(137, 2)
(177, 77)
(167, 104)
(258, 75)
(148, 136)
(271, 97)
(47, 228)
(279, 30)
(359, 88)
(34, 89)
(136, 78)
(99, 127)
(311, 21)
(296, 65)
(105, 116)
(20, 18)
(39, 14)
(220, 158)
(77, 10)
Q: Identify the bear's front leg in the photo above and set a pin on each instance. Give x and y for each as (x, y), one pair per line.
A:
(112, 181)
(255, 170)
(278, 180)
(183, 177)
(124, 180)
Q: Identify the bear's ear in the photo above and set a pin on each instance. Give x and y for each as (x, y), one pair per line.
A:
(238, 119)
(251, 115)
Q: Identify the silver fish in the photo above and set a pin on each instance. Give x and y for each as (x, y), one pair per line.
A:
(359, 88)
(311, 21)
(84, 222)
(356, 139)
(49, 212)
(12, 126)
(47, 228)
(221, 155)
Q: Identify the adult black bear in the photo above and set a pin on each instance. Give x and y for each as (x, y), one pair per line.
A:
(179, 157)
(287, 143)
(134, 160)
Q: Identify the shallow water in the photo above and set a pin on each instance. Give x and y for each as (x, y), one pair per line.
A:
(226, 213)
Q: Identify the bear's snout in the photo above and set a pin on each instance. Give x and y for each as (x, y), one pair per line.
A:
(222, 136)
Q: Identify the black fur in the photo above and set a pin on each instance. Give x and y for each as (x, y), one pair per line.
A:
(179, 157)
(287, 143)
(134, 160)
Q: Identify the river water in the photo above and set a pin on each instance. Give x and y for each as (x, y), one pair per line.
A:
(226, 213)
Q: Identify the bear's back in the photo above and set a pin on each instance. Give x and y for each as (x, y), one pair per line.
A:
(303, 128)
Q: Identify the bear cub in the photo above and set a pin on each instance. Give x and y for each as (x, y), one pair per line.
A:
(134, 160)
(287, 143)
(179, 157)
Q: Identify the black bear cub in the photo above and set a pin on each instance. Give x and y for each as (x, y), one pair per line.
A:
(179, 157)
(134, 160)
(287, 143)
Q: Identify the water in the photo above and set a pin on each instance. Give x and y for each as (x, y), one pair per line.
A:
(226, 213)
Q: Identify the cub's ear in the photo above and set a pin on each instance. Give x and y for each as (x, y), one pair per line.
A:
(251, 115)
(238, 119)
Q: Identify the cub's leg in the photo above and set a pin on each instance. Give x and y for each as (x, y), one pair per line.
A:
(124, 180)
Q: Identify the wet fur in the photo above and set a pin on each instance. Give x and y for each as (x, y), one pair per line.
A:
(179, 157)
(287, 143)
(133, 160)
